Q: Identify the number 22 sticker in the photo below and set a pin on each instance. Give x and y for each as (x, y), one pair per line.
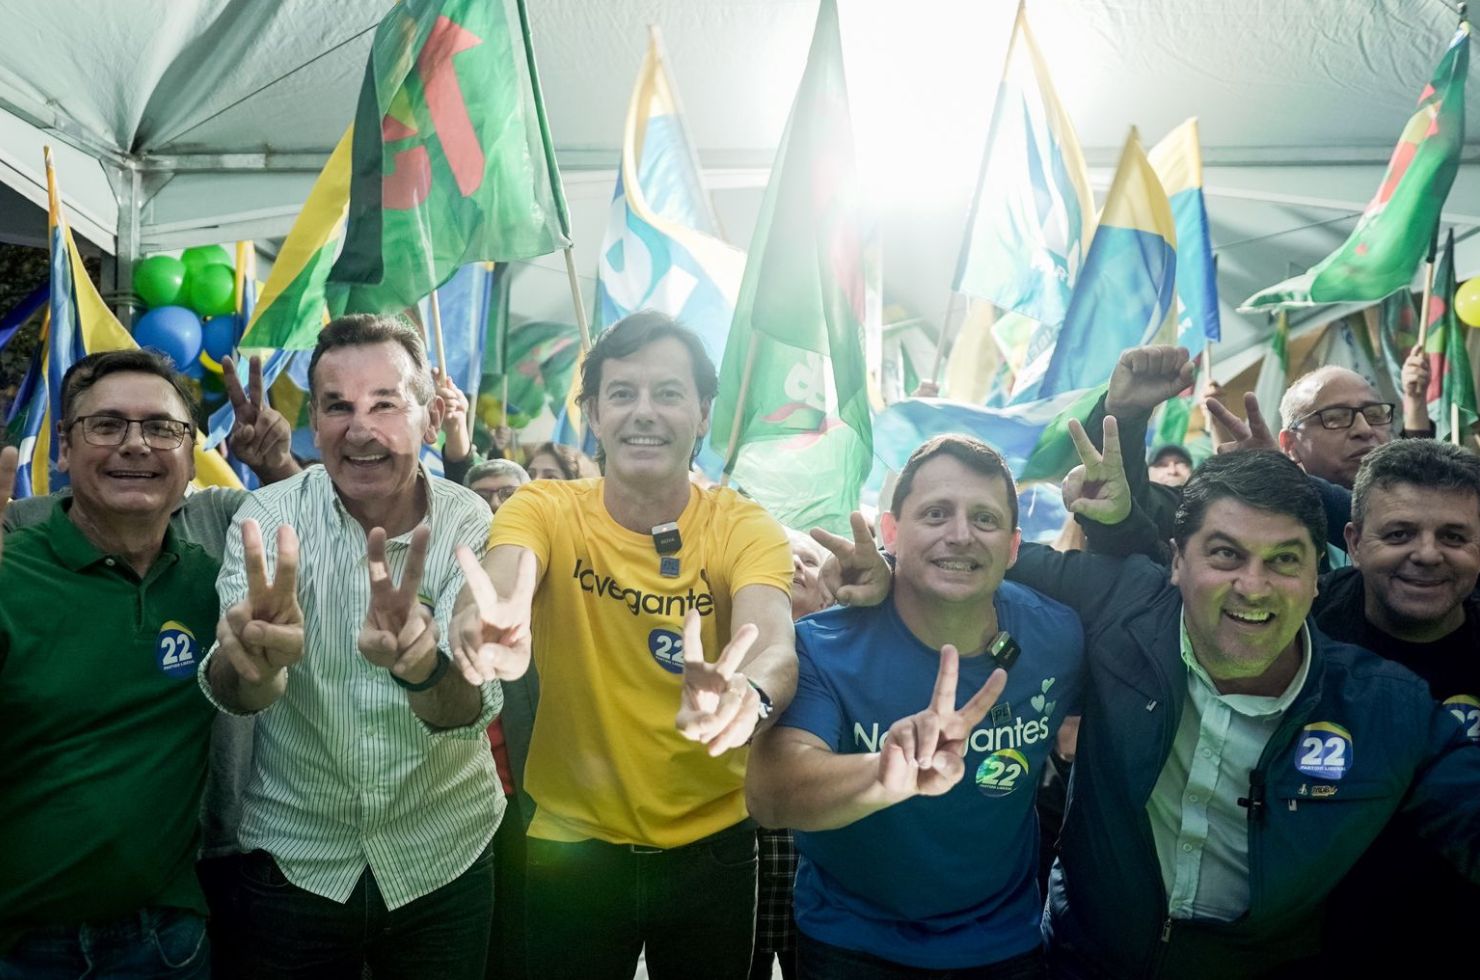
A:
(1324, 750)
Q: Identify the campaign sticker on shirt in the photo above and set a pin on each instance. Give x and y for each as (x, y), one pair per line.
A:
(176, 649)
(1002, 772)
(1466, 709)
(1324, 750)
(666, 646)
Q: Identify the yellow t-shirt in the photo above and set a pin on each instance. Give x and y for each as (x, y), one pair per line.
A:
(605, 760)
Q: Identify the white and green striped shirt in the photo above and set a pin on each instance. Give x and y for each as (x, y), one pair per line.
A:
(345, 775)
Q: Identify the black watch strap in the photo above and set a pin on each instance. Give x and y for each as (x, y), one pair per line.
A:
(444, 661)
(766, 706)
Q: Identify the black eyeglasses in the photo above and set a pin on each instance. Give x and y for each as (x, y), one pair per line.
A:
(1344, 417)
(502, 494)
(112, 430)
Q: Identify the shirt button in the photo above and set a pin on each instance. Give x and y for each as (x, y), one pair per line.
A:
(1191, 797)
(1207, 753)
(109, 562)
(1187, 848)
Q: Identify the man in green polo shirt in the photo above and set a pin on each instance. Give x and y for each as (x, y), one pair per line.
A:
(103, 750)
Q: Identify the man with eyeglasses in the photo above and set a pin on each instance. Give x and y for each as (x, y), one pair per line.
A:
(1333, 417)
(495, 480)
(104, 747)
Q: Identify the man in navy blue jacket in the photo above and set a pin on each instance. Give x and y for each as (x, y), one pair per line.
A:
(1233, 761)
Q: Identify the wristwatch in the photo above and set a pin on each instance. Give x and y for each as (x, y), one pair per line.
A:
(766, 706)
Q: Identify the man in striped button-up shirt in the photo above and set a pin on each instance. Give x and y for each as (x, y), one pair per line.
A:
(373, 796)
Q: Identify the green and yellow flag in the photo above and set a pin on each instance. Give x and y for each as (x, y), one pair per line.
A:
(1451, 385)
(1392, 235)
(794, 370)
(452, 159)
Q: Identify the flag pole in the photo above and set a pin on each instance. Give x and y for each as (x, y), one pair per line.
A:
(730, 446)
(940, 342)
(575, 295)
(1428, 288)
(1454, 435)
(437, 334)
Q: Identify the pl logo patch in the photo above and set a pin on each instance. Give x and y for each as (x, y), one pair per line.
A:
(1002, 772)
(1324, 750)
(666, 647)
(176, 650)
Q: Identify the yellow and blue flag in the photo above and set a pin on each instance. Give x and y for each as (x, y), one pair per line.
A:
(78, 323)
(1177, 160)
(1126, 295)
(1033, 214)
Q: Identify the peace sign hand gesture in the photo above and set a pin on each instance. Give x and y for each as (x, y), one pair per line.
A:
(1253, 434)
(924, 754)
(399, 633)
(260, 435)
(1097, 488)
(855, 574)
(262, 635)
(718, 707)
(490, 634)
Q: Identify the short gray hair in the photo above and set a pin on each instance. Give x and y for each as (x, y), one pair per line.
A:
(1300, 397)
(496, 467)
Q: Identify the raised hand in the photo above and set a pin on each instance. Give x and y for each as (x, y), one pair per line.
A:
(1097, 487)
(260, 435)
(1415, 375)
(262, 635)
(855, 574)
(459, 442)
(9, 461)
(1144, 377)
(490, 635)
(1253, 434)
(924, 754)
(718, 707)
(399, 632)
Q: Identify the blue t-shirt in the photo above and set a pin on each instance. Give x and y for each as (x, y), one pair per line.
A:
(941, 882)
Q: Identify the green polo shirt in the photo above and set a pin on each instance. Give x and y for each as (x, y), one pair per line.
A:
(105, 734)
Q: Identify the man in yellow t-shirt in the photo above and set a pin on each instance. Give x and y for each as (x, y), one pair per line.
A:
(637, 766)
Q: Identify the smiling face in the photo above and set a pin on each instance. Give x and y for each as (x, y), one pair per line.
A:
(368, 425)
(953, 538)
(807, 592)
(131, 480)
(1335, 454)
(647, 414)
(1247, 577)
(1419, 553)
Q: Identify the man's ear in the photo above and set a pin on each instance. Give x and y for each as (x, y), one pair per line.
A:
(436, 408)
(1288, 445)
(1012, 552)
(1176, 564)
(1353, 534)
(888, 529)
(64, 446)
(704, 412)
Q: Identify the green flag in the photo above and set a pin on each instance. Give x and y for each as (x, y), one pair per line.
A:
(452, 156)
(1451, 385)
(1274, 373)
(804, 443)
(1392, 235)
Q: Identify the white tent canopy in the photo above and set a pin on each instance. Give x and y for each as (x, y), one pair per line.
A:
(181, 122)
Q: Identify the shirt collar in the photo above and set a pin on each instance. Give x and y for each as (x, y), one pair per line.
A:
(1244, 704)
(75, 550)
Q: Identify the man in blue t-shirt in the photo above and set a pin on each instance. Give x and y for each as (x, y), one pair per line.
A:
(916, 828)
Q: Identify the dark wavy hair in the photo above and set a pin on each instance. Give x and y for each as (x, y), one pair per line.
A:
(1259, 478)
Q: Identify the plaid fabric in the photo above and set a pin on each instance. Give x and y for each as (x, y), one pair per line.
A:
(774, 929)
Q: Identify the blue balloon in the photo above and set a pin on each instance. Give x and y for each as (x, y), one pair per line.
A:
(219, 335)
(173, 331)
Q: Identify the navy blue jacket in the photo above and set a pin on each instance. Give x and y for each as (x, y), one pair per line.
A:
(1107, 907)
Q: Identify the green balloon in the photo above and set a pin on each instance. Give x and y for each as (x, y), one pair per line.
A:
(159, 280)
(210, 290)
(202, 255)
